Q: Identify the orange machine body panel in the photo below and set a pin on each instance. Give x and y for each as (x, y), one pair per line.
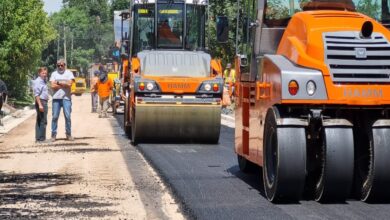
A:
(179, 84)
(302, 44)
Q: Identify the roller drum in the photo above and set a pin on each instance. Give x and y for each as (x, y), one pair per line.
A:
(177, 123)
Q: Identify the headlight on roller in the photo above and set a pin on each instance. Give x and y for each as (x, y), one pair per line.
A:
(150, 86)
(311, 88)
(207, 87)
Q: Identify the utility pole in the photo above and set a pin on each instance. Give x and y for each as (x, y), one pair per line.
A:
(71, 51)
(65, 44)
(237, 24)
(58, 48)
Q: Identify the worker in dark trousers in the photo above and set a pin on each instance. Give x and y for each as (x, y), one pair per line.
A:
(3, 93)
(41, 94)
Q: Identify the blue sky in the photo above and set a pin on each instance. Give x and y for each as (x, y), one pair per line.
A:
(52, 5)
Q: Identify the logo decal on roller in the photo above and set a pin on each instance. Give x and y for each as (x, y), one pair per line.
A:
(363, 93)
(179, 86)
(361, 53)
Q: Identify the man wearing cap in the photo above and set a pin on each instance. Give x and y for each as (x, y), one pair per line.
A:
(104, 88)
(61, 82)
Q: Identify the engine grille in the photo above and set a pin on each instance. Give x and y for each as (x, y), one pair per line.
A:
(352, 59)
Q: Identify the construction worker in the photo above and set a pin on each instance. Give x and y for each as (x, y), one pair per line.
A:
(3, 93)
(229, 75)
(104, 87)
(41, 94)
(94, 94)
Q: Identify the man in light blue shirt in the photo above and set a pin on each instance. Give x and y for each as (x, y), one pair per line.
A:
(41, 94)
(61, 82)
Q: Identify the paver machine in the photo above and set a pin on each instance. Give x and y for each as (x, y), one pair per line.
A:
(175, 87)
(313, 98)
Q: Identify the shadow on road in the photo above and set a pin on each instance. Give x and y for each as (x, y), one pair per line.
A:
(254, 178)
(16, 189)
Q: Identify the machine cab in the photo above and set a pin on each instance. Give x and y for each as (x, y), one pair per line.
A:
(267, 19)
(176, 25)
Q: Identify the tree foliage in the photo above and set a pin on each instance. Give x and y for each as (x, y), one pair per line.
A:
(95, 8)
(371, 8)
(85, 28)
(224, 51)
(118, 5)
(276, 10)
(24, 32)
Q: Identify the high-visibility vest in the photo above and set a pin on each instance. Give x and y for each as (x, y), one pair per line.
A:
(230, 76)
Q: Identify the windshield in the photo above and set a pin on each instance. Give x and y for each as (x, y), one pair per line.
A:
(143, 35)
(278, 12)
(171, 26)
(196, 21)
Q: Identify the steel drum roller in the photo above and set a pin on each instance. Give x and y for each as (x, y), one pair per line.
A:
(177, 123)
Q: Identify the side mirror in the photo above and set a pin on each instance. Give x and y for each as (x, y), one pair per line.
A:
(244, 60)
(222, 29)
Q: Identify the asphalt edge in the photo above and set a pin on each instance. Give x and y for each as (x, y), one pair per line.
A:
(13, 120)
(187, 212)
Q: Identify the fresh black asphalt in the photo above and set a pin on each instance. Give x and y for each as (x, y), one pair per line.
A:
(207, 181)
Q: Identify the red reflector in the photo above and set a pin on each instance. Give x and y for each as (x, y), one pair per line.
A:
(141, 86)
(293, 87)
(215, 87)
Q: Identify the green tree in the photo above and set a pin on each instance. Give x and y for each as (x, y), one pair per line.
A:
(276, 9)
(73, 25)
(118, 5)
(370, 8)
(224, 51)
(82, 58)
(25, 32)
(88, 30)
(100, 33)
(95, 8)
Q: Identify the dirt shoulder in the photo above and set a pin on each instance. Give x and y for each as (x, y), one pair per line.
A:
(99, 175)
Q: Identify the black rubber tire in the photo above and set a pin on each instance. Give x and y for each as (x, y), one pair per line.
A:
(214, 140)
(375, 186)
(113, 106)
(134, 138)
(125, 119)
(284, 160)
(245, 165)
(336, 177)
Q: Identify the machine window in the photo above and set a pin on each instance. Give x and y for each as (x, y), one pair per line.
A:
(170, 25)
(196, 21)
(143, 28)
